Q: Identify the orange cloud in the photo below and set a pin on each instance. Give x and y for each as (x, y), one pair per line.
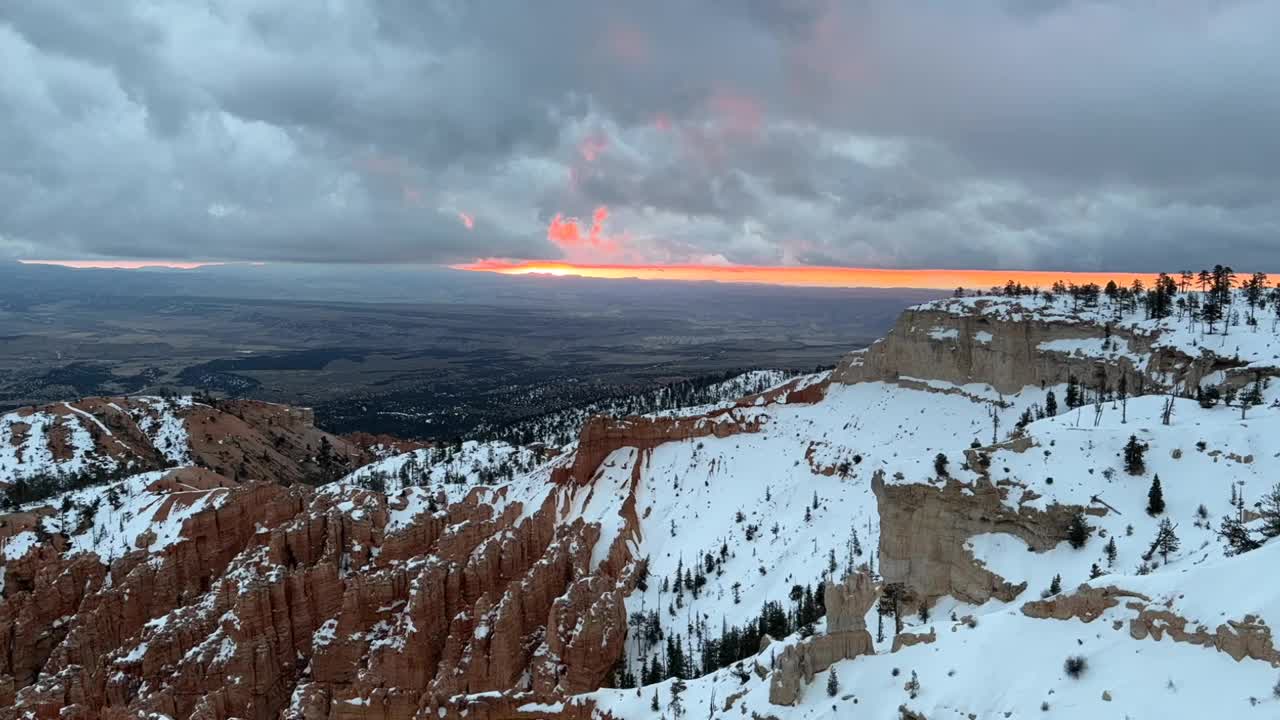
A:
(564, 233)
(568, 233)
(467, 220)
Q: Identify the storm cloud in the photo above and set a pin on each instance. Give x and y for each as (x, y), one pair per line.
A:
(1036, 134)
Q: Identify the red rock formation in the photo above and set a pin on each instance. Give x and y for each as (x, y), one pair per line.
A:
(283, 600)
(282, 589)
(240, 439)
(602, 435)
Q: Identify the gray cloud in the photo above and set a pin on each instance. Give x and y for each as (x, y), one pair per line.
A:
(1070, 134)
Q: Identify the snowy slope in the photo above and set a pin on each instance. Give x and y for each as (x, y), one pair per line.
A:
(59, 441)
(109, 519)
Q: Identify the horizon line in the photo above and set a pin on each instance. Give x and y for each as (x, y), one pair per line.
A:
(809, 275)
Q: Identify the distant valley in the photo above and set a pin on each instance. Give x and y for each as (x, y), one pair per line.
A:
(421, 353)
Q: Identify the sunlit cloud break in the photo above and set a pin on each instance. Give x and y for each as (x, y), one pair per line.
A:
(809, 276)
(124, 264)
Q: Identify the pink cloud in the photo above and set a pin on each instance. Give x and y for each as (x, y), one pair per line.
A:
(564, 233)
(570, 235)
(467, 220)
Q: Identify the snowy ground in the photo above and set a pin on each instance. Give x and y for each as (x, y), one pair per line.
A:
(1011, 665)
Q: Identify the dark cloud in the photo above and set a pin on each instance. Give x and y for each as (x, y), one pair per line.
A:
(1071, 134)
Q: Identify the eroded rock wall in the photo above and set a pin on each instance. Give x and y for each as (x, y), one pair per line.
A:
(924, 528)
(287, 598)
(929, 344)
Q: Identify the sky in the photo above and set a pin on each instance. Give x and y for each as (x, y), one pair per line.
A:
(1086, 135)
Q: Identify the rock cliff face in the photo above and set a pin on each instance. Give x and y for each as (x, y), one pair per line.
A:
(924, 529)
(1012, 351)
(846, 637)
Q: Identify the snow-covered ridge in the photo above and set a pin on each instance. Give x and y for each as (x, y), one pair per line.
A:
(1247, 332)
(66, 439)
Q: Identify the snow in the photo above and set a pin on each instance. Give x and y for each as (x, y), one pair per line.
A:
(160, 421)
(95, 523)
(689, 493)
(1255, 346)
(28, 453)
(757, 513)
(471, 464)
(1007, 665)
(18, 545)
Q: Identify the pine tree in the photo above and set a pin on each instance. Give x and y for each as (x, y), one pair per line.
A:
(1051, 404)
(1078, 531)
(1110, 550)
(1073, 392)
(1239, 538)
(1269, 509)
(1055, 586)
(1155, 497)
(1134, 456)
(940, 465)
(1166, 540)
(833, 683)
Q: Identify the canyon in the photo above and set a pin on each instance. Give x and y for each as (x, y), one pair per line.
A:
(235, 561)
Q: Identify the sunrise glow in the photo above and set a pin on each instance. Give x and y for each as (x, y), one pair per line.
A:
(123, 264)
(807, 276)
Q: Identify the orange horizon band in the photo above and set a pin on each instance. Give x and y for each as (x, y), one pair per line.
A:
(811, 276)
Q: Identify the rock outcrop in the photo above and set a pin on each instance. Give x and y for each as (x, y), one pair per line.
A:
(602, 435)
(1086, 603)
(846, 637)
(923, 530)
(1245, 638)
(1010, 351)
(1248, 637)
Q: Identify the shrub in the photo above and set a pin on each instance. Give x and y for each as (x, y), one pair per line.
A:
(1075, 666)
